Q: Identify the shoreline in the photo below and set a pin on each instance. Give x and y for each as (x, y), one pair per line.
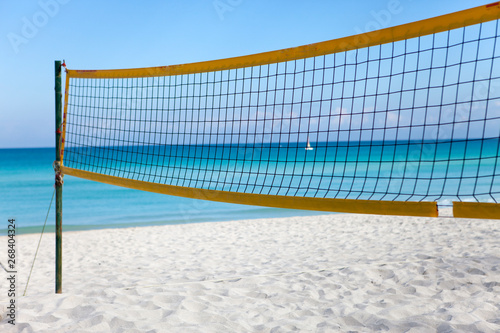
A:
(444, 212)
(322, 273)
(50, 228)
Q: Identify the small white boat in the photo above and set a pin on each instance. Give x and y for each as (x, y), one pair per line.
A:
(308, 146)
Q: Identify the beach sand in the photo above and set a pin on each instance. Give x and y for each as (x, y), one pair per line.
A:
(329, 273)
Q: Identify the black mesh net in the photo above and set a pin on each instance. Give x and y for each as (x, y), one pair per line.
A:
(413, 120)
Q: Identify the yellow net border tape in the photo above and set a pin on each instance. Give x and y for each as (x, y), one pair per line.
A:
(478, 210)
(66, 92)
(407, 208)
(429, 26)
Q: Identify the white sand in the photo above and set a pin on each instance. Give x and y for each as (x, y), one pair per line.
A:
(309, 274)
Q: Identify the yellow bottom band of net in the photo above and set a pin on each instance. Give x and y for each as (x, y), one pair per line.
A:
(480, 210)
(408, 208)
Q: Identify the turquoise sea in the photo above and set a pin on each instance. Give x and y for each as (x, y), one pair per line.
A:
(27, 184)
(430, 171)
(442, 171)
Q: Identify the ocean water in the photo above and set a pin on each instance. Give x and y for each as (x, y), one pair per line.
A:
(429, 171)
(27, 185)
(443, 171)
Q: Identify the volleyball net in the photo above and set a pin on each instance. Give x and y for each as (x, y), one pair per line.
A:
(394, 121)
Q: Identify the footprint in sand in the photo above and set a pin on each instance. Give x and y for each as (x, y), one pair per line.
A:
(82, 311)
(167, 299)
(212, 298)
(193, 306)
(408, 290)
(386, 273)
(475, 271)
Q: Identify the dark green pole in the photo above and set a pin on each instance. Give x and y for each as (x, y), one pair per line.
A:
(58, 181)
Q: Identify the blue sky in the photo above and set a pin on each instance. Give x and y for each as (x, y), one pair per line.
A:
(124, 34)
